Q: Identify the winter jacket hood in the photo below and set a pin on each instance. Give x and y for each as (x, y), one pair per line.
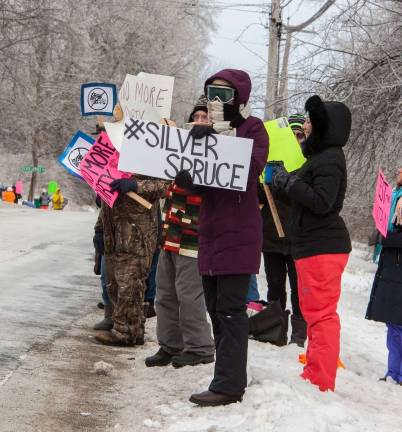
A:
(331, 123)
(239, 79)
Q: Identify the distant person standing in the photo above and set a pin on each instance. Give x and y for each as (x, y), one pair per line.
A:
(386, 295)
(58, 200)
(44, 200)
(8, 195)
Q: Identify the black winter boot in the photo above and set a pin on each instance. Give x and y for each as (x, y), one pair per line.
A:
(161, 358)
(107, 322)
(299, 330)
(151, 309)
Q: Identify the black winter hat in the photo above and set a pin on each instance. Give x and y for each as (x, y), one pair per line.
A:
(201, 105)
(331, 123)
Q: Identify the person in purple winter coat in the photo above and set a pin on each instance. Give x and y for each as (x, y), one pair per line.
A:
(230, 236)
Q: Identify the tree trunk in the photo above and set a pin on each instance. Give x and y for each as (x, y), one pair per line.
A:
(35, 161)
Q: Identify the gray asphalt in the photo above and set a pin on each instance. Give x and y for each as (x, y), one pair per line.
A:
(46, 278)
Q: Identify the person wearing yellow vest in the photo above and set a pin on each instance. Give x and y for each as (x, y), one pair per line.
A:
(58, 200)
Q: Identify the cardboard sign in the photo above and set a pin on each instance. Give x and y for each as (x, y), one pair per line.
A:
(283, 145)
(98, 98)
(99, 168)
(74, 153)
(382, 203)
(19, 187)
(145, 97)
(162, 151)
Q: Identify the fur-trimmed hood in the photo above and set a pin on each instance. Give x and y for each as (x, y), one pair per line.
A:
(331, 123)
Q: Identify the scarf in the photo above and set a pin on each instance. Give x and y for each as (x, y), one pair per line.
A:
(396, 194)
(222, 126)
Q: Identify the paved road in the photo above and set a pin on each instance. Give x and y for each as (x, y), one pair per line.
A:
(46, 278)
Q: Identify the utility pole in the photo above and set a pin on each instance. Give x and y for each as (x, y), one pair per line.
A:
(275, 24)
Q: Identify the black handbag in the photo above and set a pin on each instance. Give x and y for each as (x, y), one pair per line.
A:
(270, 325)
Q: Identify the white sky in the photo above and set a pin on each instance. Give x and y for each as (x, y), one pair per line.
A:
(245, 24)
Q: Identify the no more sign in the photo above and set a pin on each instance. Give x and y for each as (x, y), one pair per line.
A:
(162, 151)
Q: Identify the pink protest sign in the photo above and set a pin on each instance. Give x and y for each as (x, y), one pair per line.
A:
(382, 203)
(99, 168)
(19, 187)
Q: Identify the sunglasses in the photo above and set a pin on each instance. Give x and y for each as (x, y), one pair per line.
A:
(222, 93)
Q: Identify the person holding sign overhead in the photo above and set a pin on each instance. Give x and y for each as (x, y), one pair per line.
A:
(386, 296)
(320, 242)
(230, 236)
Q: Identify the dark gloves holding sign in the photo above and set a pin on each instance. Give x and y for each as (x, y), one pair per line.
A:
(184, 180)
(281, 179)
(200, 131)
(123, 186)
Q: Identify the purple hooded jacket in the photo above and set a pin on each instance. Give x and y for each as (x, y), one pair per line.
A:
(230, 225)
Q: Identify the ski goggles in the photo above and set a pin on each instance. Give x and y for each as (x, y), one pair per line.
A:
(222, 93)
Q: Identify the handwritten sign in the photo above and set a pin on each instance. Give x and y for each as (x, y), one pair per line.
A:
(99, 168)
(145, 97)
(75, 152)
(382, 203)
(162, 151)
(98, 98)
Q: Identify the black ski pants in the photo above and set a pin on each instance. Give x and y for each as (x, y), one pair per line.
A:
(226, 299)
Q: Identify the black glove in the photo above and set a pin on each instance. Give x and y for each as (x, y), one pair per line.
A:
(280, 177)
(124, 185)
(98, 243)
(184, 180)
(201, 131)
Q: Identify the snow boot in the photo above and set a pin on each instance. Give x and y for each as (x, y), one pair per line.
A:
(191, 359)
(150, 313)
(111, 338)
(161, 358)
(299, 330)
(107, 322)
(210, 398)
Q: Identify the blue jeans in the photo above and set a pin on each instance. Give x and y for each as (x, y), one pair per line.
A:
(253, 294)
(394, 345)
(151, 284)
(103, 278)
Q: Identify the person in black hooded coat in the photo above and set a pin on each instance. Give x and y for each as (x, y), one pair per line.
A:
(320, 241)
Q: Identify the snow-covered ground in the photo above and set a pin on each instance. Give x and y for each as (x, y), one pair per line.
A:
(46, 283)
(278, 400)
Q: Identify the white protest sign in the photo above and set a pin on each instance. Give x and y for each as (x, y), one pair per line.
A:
(98, 98)
(115, 133)
(146, 97)
(162, 151)
(74, 153)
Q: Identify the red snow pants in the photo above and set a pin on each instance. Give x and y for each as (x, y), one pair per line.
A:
(319, 286)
